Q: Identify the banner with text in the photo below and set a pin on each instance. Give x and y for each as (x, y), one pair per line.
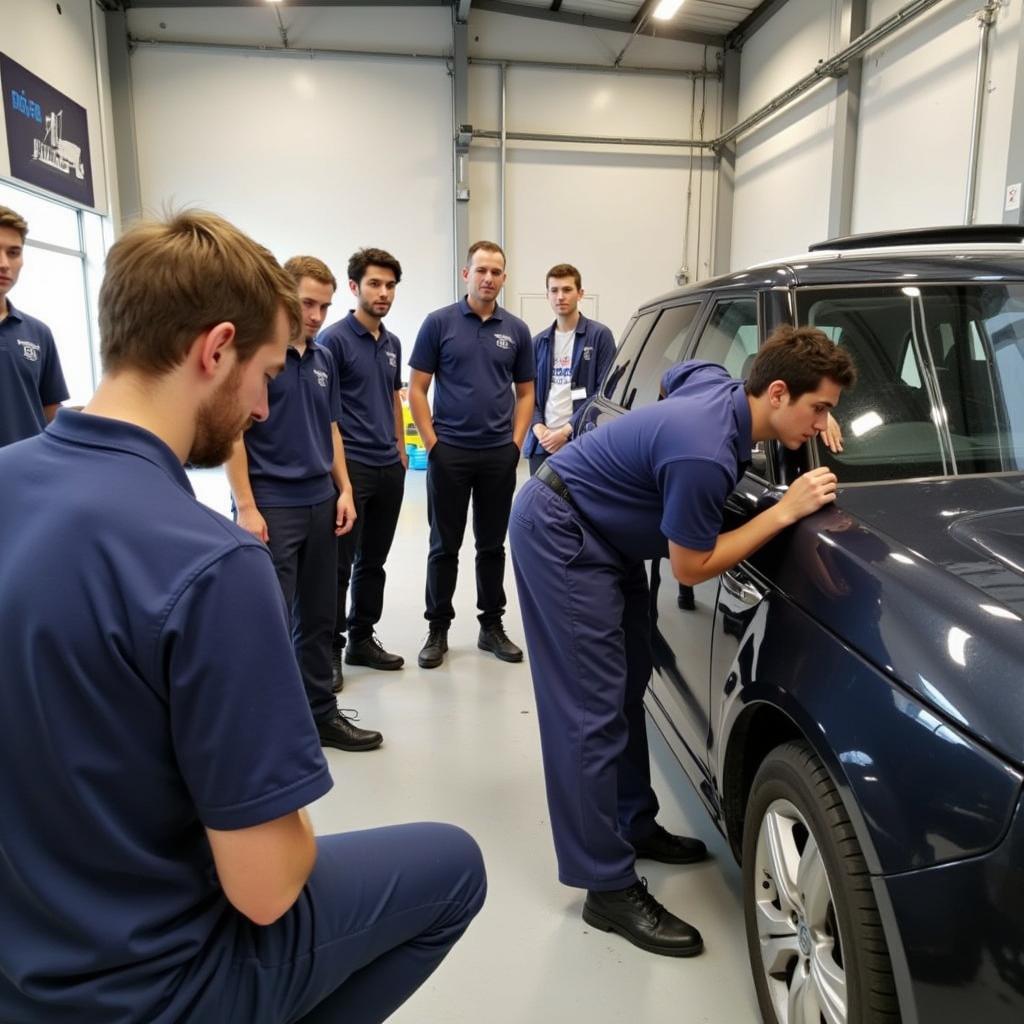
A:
(47, 134)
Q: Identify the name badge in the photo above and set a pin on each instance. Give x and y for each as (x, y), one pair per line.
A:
(577, 394)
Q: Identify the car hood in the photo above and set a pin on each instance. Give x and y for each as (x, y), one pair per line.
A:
(925, 579)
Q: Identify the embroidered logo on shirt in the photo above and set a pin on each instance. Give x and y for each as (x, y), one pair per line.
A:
(503, 341)
(587, 349)
(321, 377)
(392, 362)
(30, 350)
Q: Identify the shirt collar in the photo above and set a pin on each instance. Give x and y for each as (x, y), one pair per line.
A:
(89, 431)
(744, 421)
(498, 314)
(12, 313)
(360, 328)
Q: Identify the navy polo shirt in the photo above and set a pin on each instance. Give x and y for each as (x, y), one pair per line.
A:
(30, 375)
(148, 688)
(369, 374)
(474, 363)
(665, 470)
(291, 451)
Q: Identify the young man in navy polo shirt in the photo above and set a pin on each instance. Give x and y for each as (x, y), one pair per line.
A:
(572, 357)
(368, 358)
(31, 381)
(156, 746)
(475, 352)
(291, 490)
(581, 531)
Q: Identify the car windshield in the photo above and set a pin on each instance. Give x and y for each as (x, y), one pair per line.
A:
(940, 387)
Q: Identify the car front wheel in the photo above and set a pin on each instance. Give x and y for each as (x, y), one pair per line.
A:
(816, 944)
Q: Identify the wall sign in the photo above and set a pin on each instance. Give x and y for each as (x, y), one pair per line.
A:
(47, 134)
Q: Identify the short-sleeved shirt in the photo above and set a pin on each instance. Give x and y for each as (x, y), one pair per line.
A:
(291, 451)
(30, 375)
(474, 363)
(665, 470)
(369, 374)
(148, 688)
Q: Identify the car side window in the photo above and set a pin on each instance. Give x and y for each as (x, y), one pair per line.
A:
(730, 336)
(636, 333)
(889, 432)
(665, 347)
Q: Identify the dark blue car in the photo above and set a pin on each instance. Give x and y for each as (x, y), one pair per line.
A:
(849, 701)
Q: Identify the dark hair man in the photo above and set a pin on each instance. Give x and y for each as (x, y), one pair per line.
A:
(475, 352)
(582, 529)
(368, 358)
(291, 490)
(31, 380)
(572, 357)
(156, 746)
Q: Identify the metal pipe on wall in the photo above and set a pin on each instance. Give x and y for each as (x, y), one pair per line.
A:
(592, 140)
(986, 19)
(504, 158)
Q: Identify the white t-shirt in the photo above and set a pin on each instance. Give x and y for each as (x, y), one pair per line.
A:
(558, 410)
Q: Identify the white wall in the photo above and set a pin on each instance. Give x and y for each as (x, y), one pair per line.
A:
(914, 125)
(61, 49)
(325, 154)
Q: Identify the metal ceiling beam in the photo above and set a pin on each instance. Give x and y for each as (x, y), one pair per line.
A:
(187, 4)
(592, 21)
(752, 22)
(853, 20)
(462, 11)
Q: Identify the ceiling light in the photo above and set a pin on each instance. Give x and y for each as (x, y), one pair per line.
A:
(666, 9)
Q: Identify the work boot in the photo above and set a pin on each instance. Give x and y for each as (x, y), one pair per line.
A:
(493, 638)
(637, 916)
(337, 656)
(435, 648)
(340, 733)
(662, 845)
(370, 652)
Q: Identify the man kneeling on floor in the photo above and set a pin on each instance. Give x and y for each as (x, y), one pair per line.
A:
(580, 532)
(156, 746)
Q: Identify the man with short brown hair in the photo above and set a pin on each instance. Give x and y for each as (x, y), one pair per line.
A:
(31, 380)
(157, 751)
(572, 357)
(291, 489)
(480, 358)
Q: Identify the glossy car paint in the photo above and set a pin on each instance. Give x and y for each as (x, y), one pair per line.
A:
(886, 632)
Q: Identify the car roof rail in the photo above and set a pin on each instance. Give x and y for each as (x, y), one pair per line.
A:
(1003, 234)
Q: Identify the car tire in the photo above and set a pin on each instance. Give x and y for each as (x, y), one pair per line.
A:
(816, 945)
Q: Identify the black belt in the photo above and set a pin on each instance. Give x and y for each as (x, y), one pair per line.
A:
(549, 478)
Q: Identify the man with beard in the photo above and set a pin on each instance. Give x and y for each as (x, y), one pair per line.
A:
(156, 747)
(368, 358)
(291, 489)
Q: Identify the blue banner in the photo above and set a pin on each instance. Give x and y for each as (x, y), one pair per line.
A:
(47, 134)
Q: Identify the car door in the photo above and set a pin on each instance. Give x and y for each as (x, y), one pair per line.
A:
(683, 618)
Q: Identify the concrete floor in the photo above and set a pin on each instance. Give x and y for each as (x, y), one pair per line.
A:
(461, 745)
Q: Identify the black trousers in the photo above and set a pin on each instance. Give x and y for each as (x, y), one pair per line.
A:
(304, 549)
(454, 476)
(537, 459)
(363, 551)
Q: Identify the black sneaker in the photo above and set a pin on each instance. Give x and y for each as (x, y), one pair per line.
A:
(637, 916)
(494, 639)
(435, 648)
(340, 733)
(663, 846)
(337, 680)
(371, 652)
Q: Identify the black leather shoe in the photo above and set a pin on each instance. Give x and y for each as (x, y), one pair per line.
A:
(337, 680)
(493, 639)
(371, 652)
(340, 733)
(663, 846)
(637, 916)
(685, 598)
(434, 650)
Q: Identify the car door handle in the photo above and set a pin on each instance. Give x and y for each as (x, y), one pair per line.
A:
(739, 586)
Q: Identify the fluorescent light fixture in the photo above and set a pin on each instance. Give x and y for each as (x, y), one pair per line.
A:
(666, 9)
